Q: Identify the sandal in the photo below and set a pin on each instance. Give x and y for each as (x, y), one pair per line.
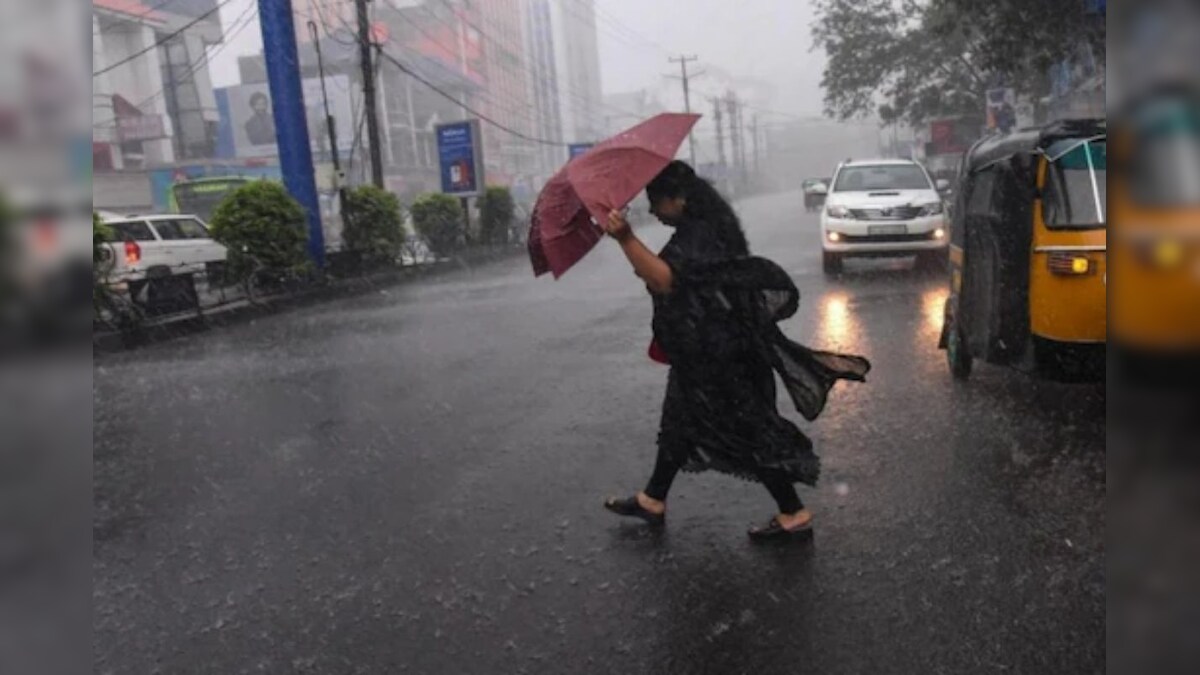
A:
(777, 532)
(630, 507)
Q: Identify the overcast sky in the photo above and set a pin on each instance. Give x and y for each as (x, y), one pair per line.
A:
(768, 40)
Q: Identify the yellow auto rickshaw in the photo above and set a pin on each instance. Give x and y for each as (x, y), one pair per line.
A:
(1028, 252)
(1155, 291)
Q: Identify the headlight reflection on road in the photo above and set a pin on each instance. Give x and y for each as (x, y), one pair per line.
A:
(838, 326)
(933, 303)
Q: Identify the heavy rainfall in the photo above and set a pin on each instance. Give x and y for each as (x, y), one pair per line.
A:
(594, 336)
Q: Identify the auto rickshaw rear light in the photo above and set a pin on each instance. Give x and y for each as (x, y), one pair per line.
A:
(133, 253)
(1069, 264)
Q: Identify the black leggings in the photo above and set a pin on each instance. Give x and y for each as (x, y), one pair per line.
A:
(777, 483)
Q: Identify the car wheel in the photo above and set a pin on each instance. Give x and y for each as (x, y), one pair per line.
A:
(958, 356)
(831, 262)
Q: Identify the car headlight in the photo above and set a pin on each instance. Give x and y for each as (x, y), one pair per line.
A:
(934, 209)
(838, 212)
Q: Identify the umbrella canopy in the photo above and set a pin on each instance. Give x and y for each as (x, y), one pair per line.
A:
(563, 228)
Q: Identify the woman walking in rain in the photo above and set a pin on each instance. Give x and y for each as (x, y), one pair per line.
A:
(715, 315)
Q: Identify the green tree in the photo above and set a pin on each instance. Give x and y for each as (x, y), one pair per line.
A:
(912, 61)
(101, 259)
(373, 222)
(439, 219)
(260, 221)
(496, 213)
(101, 234)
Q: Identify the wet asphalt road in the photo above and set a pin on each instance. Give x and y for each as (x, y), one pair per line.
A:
(410, 481)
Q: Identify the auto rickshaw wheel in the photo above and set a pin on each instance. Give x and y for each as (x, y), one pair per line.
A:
(958, 357)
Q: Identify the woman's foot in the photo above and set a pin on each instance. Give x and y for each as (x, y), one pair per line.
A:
(796, 525)
(639, 506)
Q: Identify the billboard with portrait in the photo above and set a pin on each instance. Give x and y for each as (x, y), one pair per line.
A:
(248, 122)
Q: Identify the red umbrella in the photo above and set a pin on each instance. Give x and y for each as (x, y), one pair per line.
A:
(608, 176)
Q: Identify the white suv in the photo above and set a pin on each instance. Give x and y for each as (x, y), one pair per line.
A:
(883, 207)
(159, 246)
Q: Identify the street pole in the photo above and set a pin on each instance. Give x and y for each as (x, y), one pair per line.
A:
(371, 110)
(735, 136)
(741, 130)
(687, 100)
(754, 137)
(330, 122)
(720, 144)
(287, 105)
(720, 133)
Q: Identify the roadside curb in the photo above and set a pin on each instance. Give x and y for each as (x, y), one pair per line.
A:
(181, 325)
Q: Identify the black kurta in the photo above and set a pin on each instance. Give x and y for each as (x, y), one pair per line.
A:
(718, 329)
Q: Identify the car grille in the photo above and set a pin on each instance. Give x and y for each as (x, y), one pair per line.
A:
(887, 238)
(894, 213)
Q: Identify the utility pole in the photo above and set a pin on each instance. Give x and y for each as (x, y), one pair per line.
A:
(330, 122)
(754, 137)
(724, 168)
(741, 131)
(371, 110)
(735, 135)
(683, 60)
(720, 133)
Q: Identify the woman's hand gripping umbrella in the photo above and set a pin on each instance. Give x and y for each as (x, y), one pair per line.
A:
(567, 217)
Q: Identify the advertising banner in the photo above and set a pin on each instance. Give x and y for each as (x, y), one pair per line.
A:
(1001, 109)
(248, 123)
(951, 136)
(460, 156)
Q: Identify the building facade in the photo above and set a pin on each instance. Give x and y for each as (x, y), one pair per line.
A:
(155, 105)
(543, 83)
(577, 64)
(152, 98)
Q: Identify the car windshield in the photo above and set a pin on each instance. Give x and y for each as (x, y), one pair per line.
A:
(881, 177)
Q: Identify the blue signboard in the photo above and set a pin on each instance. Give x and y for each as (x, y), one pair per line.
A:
(461, 158)
(576, 149)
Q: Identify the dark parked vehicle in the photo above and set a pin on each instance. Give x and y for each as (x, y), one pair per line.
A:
(815, 190)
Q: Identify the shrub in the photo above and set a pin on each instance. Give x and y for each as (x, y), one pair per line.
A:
(373, 222)
(101, 234)
(496, 213)
(260, 221)
(439, 218)
(101, 259)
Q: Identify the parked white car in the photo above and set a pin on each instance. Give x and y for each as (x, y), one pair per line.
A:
(159, 246)
(883, 207)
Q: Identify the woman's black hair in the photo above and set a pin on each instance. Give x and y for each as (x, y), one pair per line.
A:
(259, 96)
(701, 202)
